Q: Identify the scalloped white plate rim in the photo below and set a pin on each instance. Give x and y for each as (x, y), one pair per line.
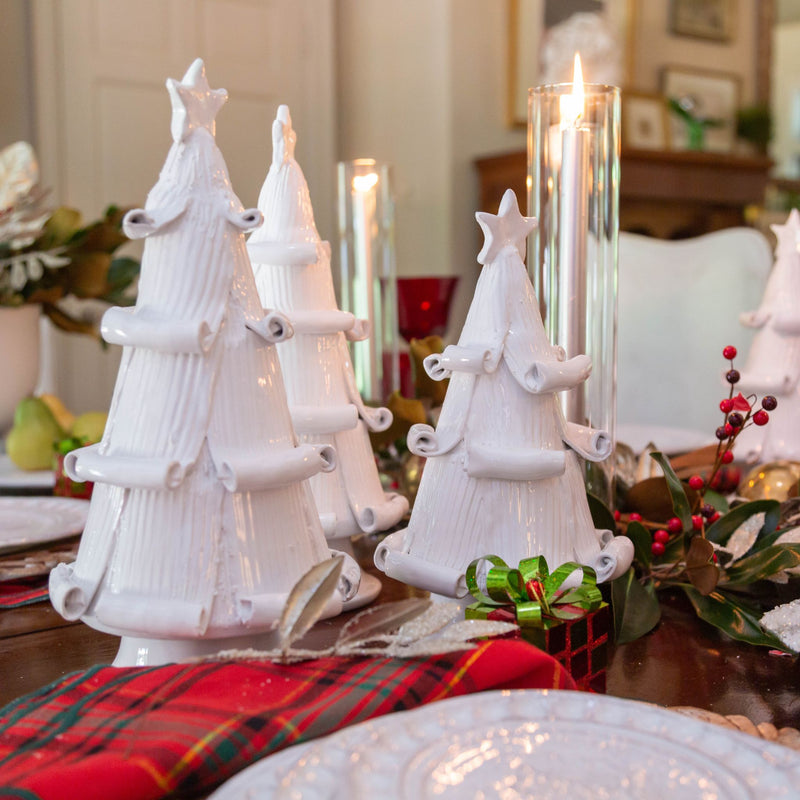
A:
(260, 780)
(11, 476)
(27, 521)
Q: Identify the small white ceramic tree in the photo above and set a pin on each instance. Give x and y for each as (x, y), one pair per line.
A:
(202, 519)
(502, 475)
(773, 362)
(293, 274)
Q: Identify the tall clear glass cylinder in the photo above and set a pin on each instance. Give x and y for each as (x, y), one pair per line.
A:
(368, 272)
(573, 191)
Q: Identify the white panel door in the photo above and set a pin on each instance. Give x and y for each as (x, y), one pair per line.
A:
(103, 112)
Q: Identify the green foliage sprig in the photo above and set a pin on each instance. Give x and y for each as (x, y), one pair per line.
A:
(66, 258)
(726, 592)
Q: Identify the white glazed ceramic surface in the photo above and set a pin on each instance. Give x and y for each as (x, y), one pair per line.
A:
(202, 518)
(11, 476)
(503, 474)
(368, 589)
(28, 521)
(293, 274)
(523, 744)
(773, 362)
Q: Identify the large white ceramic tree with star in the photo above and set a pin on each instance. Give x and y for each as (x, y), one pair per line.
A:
(502, 475)
(202, 519)
(292, 266)
(773, 362)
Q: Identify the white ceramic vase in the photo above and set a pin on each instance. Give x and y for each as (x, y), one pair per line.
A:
(19, 357)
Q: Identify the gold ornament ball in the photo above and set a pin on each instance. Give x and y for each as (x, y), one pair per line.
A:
(777, 480)
(412, 475)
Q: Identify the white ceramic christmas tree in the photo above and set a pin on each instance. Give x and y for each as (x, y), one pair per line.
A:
(293, 274)
(202, 519)
(502, 475)
(773, 362)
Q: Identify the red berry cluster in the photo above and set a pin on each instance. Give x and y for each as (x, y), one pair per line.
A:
(673, 528)
(739, 412)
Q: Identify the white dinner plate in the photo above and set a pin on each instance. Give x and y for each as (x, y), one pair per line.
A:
(668, 440)
(28, 521)
(523, 744)
(13, 477)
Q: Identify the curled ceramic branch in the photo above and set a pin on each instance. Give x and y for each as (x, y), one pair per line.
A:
(557, 376)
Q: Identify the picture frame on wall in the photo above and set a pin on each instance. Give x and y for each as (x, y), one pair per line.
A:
(703, 19)
(645, 122)
(707, 95)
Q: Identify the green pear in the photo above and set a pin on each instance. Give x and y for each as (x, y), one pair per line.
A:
(31, 440)
(90, 426)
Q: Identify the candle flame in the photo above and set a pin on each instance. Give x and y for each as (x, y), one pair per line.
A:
(573, 105)
(363, 183)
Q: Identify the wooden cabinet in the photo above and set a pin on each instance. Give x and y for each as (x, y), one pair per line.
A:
(668, 194)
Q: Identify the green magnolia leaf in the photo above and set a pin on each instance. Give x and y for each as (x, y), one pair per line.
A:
(764, 563)
(642, 542)
(636, 609)
(702, 573)
(424, 385)
(716, 500)
(722, 529)
(733, 617)
(104, 237)
(765, 540)
(66, 322)
(405, 413)
(122, 273)
(675, 551)
(680, 503)
(86, 274)
(59, 228)
(602, 517)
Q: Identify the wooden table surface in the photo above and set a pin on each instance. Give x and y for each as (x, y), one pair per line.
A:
(682, 662)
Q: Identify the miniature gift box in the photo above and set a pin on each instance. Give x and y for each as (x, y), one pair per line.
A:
(570, 624)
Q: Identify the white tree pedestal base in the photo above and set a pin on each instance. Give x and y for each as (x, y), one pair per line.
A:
(136, 651)
(368, 590)
(369, 587)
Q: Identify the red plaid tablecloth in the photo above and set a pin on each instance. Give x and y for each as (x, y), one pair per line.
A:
(141, 733)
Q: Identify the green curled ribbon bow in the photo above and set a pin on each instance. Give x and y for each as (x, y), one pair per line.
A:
(534, 594)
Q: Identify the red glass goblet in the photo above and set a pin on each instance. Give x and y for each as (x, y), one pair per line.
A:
(423, 305)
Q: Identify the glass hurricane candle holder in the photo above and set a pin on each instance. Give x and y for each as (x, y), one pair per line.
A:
(368, 272)
(573, 191)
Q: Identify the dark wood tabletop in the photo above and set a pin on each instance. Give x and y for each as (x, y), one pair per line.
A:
(683, 662)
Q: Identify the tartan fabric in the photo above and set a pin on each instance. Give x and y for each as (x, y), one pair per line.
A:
(140, 733)
(14, 594)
